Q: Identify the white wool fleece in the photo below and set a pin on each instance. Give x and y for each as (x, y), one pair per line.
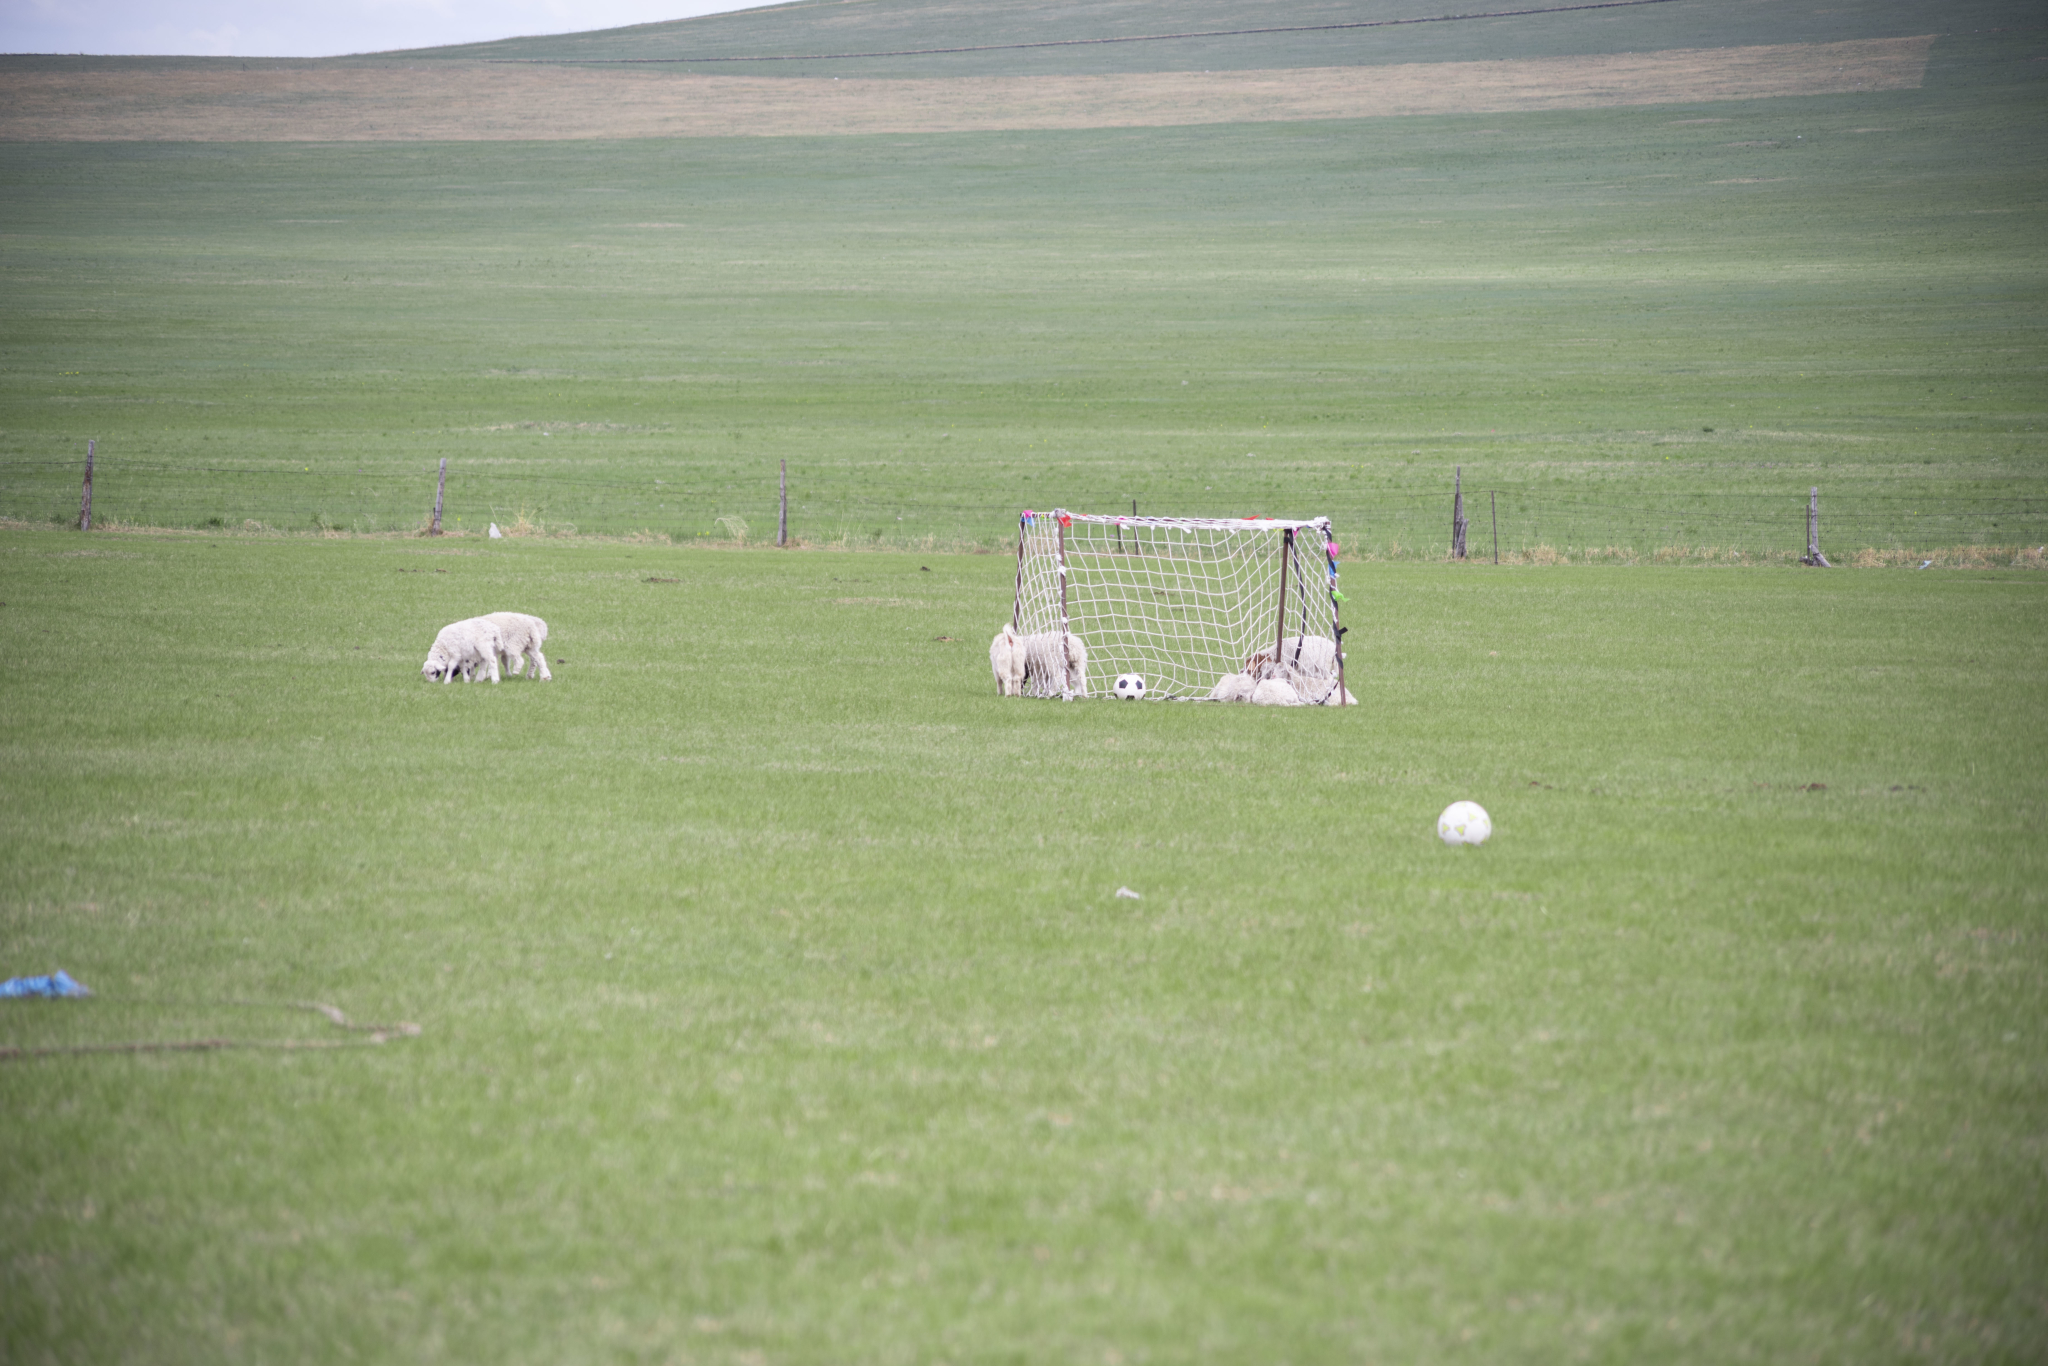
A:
(519, 640)
(1053, 668)
(1006, 661)
(463, 647)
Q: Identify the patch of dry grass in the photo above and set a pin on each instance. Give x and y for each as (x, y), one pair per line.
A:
(525, 523)
(1947, 557)
(1954, 557)
(345, 102)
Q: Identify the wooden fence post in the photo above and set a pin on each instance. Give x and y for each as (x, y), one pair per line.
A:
(1458, 515)
(439, 490)
(1493, 506)
(85, 497)
(782, 523)
(1813, 555)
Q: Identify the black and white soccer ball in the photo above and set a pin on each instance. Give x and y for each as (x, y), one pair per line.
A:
(1129, 687)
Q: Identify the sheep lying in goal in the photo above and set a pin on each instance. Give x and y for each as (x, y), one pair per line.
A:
(1300, 671)
(1264, 692)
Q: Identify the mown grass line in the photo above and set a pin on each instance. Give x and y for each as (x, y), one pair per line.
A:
(775, 999)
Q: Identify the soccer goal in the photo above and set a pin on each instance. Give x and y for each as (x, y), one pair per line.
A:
(1185, 601)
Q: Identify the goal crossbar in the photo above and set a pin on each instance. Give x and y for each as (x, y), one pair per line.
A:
(1200, 523)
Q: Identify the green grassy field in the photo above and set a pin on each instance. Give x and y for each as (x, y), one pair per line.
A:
(1641, 328)
(776, 1005)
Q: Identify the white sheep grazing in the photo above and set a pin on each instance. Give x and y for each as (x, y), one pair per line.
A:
(1051, 669)
(1006, 660)
(519, 640)
(467, 647)
(1232, 688)
(1275, 692)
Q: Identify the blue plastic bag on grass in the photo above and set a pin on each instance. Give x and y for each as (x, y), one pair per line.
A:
(58, 983)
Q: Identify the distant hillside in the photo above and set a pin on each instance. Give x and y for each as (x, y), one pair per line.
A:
(1002, 27)
(465, 101)
(637, 83)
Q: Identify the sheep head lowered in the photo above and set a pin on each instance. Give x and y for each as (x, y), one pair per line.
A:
(463, 647)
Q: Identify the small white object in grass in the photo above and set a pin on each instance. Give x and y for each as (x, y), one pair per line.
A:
(1464, 823)
(1130, 687)
(1127, 892)
(496, 534)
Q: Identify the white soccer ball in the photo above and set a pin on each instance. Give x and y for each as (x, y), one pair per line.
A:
(1464, 823)
(1130, 687)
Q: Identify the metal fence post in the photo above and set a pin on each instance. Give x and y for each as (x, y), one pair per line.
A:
(1813, 555)
(1458, 515)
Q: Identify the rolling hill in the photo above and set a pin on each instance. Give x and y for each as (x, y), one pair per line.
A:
(1013, 65)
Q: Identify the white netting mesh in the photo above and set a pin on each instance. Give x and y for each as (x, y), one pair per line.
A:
(1184, 601)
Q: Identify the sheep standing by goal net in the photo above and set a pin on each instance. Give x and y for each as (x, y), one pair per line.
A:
(1202, 607)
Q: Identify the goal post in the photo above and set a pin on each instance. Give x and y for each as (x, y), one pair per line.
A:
(1184, 601)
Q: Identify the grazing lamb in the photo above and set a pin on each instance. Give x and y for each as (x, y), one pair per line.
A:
(1050, 670)
(519, 640)
(467, 647)
(1006, 658)
(1233, 688)
(1006, 661)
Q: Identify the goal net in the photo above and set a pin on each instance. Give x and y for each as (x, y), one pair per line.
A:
(1184, 601)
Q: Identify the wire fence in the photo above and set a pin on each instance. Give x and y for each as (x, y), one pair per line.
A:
(1520, 525)
(855, 507)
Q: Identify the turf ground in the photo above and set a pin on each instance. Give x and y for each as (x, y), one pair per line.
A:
(776, 1005)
